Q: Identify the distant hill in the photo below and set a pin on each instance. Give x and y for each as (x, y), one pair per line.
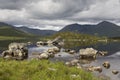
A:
(9, 30)
(36, 31)
(102, 29)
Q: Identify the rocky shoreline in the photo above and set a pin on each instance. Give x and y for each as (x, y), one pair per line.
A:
(19, 51)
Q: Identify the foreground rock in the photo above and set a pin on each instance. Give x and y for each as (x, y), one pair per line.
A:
(43, 56)
(88, 53)
(53, 50)
(74, 62)
(92, 68)
(16, 51)
(50, 53)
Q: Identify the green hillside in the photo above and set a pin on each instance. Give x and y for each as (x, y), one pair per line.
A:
(9, 32)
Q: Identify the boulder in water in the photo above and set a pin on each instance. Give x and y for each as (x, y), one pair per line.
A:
(43, 56)
(115, 72)
(88, 53)
(16, 51)
(106, 64)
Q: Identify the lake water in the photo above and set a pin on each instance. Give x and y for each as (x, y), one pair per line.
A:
(113, 56)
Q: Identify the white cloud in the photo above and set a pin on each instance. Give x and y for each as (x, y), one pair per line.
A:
(101, 10)
(12, 15)
(57, 9)
(55, 14)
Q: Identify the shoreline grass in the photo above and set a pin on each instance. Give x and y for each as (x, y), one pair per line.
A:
(11, 38)
(40, 70)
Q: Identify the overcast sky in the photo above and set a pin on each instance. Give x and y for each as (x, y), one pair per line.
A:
(55, 14)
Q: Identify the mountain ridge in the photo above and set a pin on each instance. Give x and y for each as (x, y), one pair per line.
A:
(103, 28)
(9, 30)
(36, 31)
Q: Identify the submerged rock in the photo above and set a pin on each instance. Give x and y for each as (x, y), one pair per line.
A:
(106, 64)
(103, 77)
(115, 72)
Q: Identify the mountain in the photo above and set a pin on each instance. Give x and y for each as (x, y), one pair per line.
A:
(9, 30)
(36, 31)
(104, 28)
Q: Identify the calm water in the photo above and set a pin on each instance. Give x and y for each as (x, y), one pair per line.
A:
(113, 56)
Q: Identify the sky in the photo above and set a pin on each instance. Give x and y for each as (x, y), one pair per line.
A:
(55, 14)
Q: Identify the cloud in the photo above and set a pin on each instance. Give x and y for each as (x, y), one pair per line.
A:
(57, 9)
(13, 4)
(107, 10)
(55, 14)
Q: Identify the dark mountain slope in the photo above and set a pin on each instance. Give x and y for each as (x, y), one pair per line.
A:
(9, 30)
(102, 29)
(36, 31)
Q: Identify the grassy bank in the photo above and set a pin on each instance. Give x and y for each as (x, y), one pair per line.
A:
(76, 39)
(11, 38)
(40, 70)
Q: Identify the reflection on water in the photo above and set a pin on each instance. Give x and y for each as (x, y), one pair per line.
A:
(111, 47)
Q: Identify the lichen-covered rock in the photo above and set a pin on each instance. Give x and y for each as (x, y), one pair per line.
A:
(49, 42)
(41, 43)
(29, 43)
(102, 53)
(88, 53)
(51, 51)
(72, 52)
(92, 68)
(58, 41)
(7, 52)
(16, 51)
(74, 62)
(14, 46)
(43, 56)
(56, 49)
